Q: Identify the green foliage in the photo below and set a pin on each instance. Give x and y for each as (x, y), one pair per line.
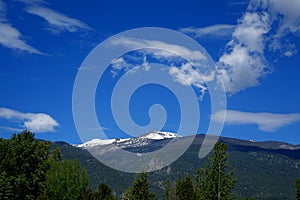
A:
(89, 195)
(185, 189)
(298, 188)
(213, 182)
(170, 191)
(104, 192)
(65, 180)
(139, 190)
(200, 185)
(23, 163)
(6, 189)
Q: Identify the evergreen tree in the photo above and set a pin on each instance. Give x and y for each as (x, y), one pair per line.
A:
(65, 180)
(298, 188)
(89, 195)
(170, 191)
(25, 162)
(6, 189)
(185, 189)
(139, 190)
(200, 184)
(104, 192)
(213, 182)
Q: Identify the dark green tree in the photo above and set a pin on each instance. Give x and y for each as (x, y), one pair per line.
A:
(89, 195)
(6, 189)
(65, 180)
(298, 188)
(139, 190)
(104, 192)
(185, 189)
(200, 184)
(214, 182)
(170, 191)
(25, 162)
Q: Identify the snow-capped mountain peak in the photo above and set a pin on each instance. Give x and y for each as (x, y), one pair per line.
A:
(159, 135)
(96, 142)
(136, 141)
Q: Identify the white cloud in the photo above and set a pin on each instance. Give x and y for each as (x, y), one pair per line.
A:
(251, 30)
(265, 24)
(11, 37)
(285, 13)
(195, 73)
(217, 30)
(268, 122)
(241, 69)
(119, 64)
(36, 122)
(57, 21)
(10, 129)
(189, 75)
(162, 49)
(243, 63)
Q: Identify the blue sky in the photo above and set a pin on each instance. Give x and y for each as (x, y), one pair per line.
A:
(255, 45)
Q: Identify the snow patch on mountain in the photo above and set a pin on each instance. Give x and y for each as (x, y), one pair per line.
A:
(97, 142)
(133, 142)
(157, 135)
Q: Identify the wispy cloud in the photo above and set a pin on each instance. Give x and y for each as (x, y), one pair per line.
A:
(214, 31)
(161, 49)
(119, 64)
(11, 37)
(186, 74)
(57, 21)
(10, 129)
(268, 122)
(36, 122)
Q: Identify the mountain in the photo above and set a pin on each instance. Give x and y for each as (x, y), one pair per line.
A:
(265, 170)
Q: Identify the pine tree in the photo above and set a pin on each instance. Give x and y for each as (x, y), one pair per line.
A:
(6, 189)
(89, 195)
(213, 182)
(185, 189)
(139, 190)
(200, 184)
(170, 191)
(104, 192)
(298, 188)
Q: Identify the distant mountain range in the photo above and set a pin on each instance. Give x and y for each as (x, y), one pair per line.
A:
(265, 170)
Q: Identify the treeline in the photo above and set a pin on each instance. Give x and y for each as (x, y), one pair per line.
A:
(30, 170)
